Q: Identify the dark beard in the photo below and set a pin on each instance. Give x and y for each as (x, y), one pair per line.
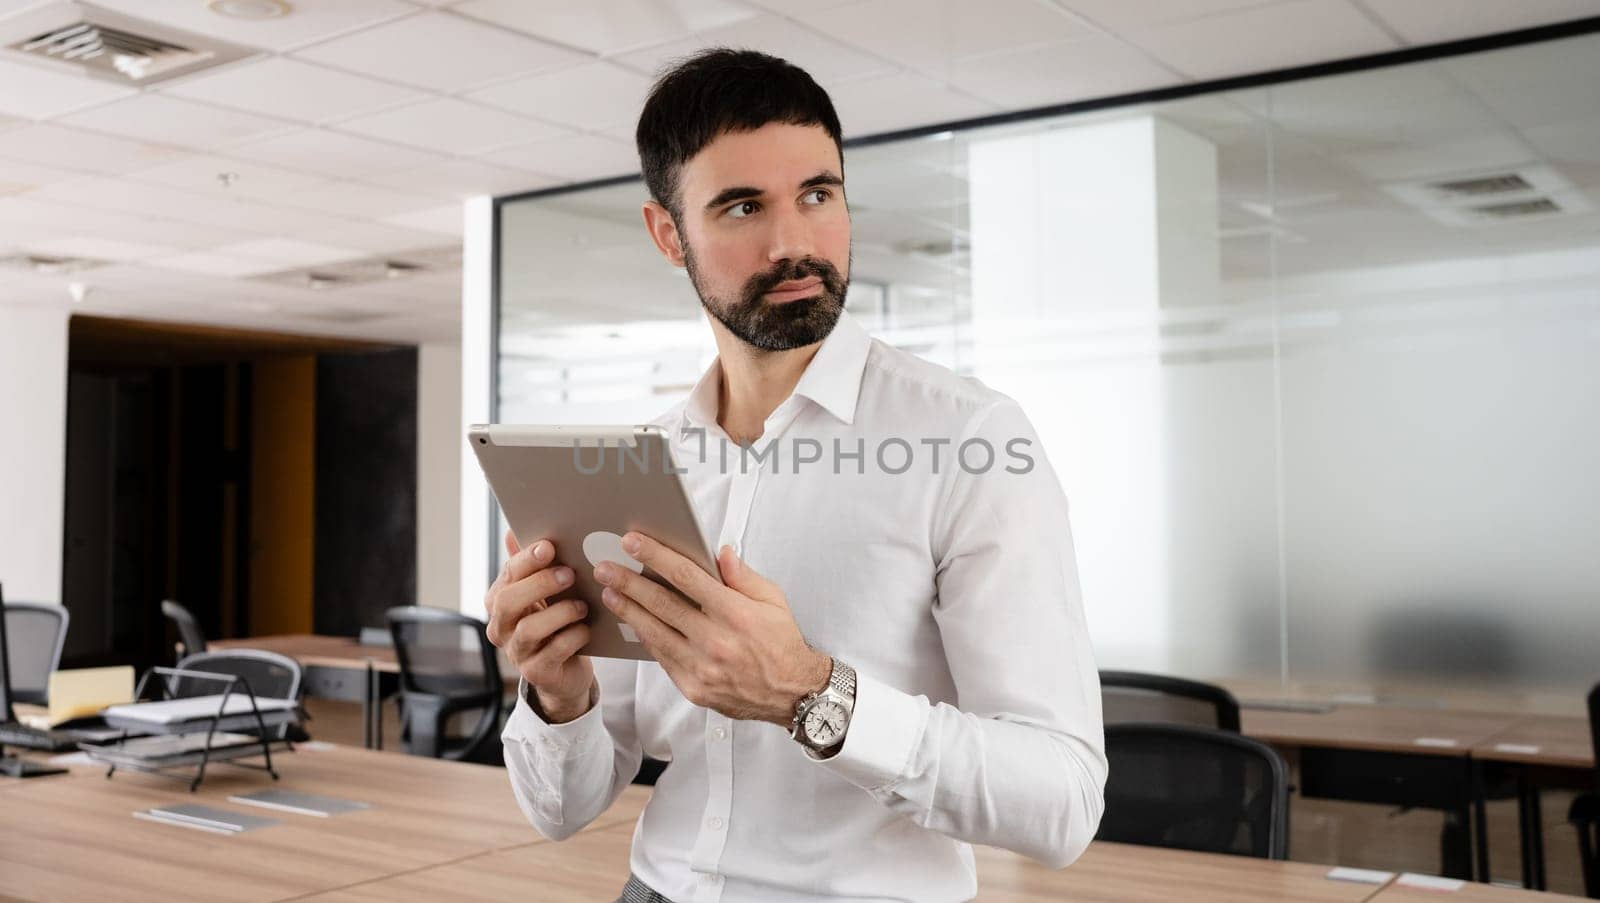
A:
(779, 326)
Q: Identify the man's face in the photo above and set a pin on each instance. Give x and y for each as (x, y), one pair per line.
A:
(766, 234)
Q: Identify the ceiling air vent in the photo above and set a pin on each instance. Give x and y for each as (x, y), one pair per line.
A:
(1505, 195)
(109, 45)
(47, 264)
(1500, 183)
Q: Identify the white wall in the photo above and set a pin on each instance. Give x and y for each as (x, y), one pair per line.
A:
(33, 450)
(439, 446)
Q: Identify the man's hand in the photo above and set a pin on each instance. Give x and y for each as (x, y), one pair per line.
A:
(740, 652)
(538, 636)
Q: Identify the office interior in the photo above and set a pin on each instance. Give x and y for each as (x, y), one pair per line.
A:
(1301, 296)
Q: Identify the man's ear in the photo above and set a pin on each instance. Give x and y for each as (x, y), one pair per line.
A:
(664, 232)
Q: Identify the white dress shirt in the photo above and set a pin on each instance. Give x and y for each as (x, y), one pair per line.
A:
(952, 589)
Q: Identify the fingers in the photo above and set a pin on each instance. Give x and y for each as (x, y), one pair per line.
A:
(511, 545)
(689, 578)
(668, 607)
(534, 632)
(660, 639)
(530, 559)
(513, 601)
(543, 667)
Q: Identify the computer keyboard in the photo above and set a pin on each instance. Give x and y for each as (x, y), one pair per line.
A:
(13, 733)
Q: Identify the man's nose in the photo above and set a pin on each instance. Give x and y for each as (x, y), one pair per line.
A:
(791, 237)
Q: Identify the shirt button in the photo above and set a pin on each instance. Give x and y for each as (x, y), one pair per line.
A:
(721, 732)
(715, 823)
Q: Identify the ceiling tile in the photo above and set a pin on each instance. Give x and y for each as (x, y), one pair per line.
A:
(167, 120)
(16, 176)
(1119, 16)
(329, 153)
(1295, 33)
(440, 51)
(573, 159)
(451, 126)
(373, 237)
(461, 179)
(308, 22)
(1097, 66)
(209, 264)
(608, 26)
(824, 58)
(202, 173)
(54, 145)
(446, 220)
(1447, 20)
(38, 91)
(290, 89)
(288, 252)
(1446, 158)
(930, 36)
(595, 97)
(900, 100)
(356, 199)
(98, 248)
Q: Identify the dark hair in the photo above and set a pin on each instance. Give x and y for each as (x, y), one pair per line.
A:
(720, 90)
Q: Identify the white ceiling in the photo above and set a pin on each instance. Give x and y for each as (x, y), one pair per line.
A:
(358, 125)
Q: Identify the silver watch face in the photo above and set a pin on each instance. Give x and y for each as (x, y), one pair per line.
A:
(824, 723)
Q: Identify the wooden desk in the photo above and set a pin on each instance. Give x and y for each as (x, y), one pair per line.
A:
(1542, 751)
(1426, 732)
(450, 830)
(593, 865)
(1469, 893)
(74, 836)
(1394, 756)
(342, 668)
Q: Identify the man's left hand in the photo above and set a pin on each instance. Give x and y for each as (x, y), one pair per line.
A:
(740, 652)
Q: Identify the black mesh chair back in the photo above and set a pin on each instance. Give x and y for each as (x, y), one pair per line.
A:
(447, 667)
(1195, 788)
(194, 639)
(1585, 812)
(1134, 697)
(267, 675)
(35, 633)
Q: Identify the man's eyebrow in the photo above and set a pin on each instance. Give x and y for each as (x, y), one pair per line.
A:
(744, 192)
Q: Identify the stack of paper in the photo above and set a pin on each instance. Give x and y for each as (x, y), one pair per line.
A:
(299, 803)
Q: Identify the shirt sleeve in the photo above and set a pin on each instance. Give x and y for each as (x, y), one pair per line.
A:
(1019, 762)
(565, 775)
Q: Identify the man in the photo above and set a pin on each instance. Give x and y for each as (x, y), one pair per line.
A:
(894, 663)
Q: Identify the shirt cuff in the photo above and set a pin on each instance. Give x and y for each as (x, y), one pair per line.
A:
(527, 723)
(885, 727)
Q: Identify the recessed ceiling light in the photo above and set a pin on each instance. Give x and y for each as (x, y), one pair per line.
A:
(250, 9)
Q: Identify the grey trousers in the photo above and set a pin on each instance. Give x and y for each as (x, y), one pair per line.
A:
(637, 891)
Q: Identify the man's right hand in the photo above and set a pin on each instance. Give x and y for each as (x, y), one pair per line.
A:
(540, 637)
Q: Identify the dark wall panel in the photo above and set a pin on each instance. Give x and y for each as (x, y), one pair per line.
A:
(366, 483)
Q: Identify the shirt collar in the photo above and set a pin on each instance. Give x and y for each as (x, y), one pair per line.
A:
(832, 379)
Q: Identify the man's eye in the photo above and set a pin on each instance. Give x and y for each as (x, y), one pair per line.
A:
(734, 211)
(822, 191)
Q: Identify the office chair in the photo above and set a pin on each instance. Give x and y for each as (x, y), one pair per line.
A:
(1585, 812)
(194, 639)
(269, 675)
(1131, 696)
(35, 634)
(447, 666)
(1195, 788)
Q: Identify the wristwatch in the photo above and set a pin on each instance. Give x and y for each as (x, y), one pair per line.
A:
(821, 719)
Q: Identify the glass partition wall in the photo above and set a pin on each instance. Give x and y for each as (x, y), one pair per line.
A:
(1318, 362)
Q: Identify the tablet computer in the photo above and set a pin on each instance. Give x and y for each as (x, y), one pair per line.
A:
(583, 487)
